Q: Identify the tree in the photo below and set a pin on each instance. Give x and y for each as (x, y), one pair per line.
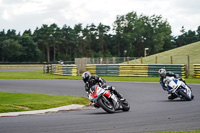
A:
(119, 38)
(11, 50)
(139, 32)
(182, 30)
(198, 33)
(11, 34)
(91, 40)
(27, 32)
(56, 38)
(2, 38)
(30, 51)
(68, 43)
(44, 39)
(79, 47)
(102, 32)
(186, 38)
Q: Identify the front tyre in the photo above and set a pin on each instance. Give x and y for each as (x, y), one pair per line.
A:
(184, 95)
(106, 105)
(125, 106)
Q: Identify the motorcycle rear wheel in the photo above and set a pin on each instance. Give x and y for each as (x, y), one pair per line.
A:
(106, 105)
(185, 96)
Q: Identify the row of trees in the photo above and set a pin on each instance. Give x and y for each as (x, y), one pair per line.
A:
(130, 35)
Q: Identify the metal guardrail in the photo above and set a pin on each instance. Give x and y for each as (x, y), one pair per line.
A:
(139, 70)
(82, 62)
(196, 70)
(61, 69)
(68, 70)
(136, 70)
(47, 68)
(179, 69)
(133, 70)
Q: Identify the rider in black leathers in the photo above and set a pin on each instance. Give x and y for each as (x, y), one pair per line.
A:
(90, 81)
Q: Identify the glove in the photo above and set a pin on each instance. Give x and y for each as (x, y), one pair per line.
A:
(87, 93)
(96, 77)
(164, 87)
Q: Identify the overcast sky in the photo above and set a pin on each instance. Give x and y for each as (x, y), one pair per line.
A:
(28, 14)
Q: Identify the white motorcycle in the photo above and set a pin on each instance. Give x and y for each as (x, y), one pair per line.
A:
(104, 98)
(179, 88)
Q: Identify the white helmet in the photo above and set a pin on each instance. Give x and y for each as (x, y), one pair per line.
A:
(162, 72)
(86, 76)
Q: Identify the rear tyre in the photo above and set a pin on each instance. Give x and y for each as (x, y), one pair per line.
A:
(106, 105)
(185, 96)
(125, 106)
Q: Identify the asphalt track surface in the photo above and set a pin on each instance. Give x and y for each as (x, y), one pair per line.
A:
(150, 110)
(22, 69)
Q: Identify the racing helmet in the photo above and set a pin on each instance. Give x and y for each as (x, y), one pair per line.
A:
(162, 72)
(86, 76)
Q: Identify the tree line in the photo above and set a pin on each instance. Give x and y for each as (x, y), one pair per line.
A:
(131, 33)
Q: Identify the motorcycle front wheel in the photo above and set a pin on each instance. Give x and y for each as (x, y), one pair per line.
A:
(184, 95)
(125, 106)
(106, 105)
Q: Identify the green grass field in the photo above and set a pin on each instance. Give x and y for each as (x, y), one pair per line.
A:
(14, 102)
(179, 56)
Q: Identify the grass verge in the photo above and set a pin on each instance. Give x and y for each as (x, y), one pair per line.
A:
(15, 102)
(40, 75)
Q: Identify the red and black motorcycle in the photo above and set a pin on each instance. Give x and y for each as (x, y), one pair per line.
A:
(104, 98)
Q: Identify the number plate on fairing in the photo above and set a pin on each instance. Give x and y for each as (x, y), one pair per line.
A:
(107, 93)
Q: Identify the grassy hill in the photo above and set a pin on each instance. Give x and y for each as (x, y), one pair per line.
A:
(178, 55)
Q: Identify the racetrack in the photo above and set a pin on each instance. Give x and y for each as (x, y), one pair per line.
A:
(150, 110)
(22, 69)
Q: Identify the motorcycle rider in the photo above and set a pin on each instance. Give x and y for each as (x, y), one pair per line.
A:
(163, 73)
(90, 81)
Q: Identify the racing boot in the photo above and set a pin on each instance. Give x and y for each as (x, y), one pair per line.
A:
(192, 96)
(93, 104)
(171, 97)
(117, 93)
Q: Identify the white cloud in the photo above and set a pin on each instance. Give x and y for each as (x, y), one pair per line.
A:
(5, 15)
(25, 14)
(28, 8)
(49, 21)
(76, 14)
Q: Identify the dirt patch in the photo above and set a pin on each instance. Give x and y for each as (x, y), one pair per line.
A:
(22, 107)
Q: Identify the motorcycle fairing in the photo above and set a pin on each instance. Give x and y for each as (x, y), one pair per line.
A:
(107, 93)
(175, 80)
(96, 90)
(93, 91)
(174, 84)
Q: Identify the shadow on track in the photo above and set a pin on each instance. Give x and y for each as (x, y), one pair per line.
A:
(177, 100)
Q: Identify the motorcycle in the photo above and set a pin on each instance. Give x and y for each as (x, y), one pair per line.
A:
(104, 98)
(179, 88)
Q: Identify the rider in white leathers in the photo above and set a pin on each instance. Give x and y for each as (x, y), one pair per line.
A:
(163, 75)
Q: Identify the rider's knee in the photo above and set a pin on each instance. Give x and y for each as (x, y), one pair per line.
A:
(113, 88)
